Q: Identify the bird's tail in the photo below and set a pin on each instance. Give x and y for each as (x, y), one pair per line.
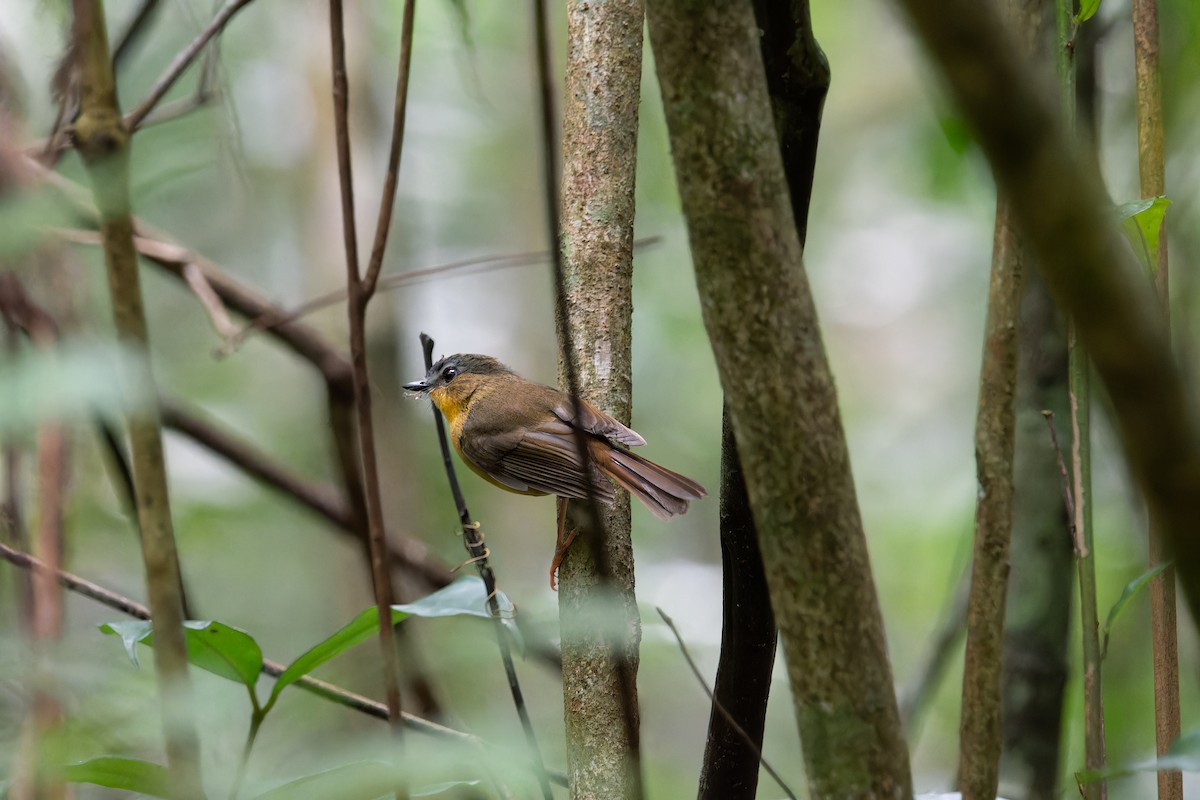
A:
(664, 492)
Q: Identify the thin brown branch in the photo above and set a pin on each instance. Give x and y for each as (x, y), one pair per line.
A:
(136, 26)
(466, 266)
(324, 689)
(134, 119)
(357, 309)
(193, 276)
(720, 708)
(301, 339)
(324, 499)
(399, 112)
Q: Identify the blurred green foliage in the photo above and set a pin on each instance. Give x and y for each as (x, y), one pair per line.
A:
(898, 250)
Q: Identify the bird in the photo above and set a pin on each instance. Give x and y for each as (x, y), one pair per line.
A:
(522, 437)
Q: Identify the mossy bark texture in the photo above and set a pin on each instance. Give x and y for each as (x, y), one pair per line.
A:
(601, 630)
(103, 142)
(763, 327)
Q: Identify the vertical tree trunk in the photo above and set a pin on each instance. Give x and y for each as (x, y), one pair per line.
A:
(981, 729)
(103, 142)
(601, 632)
(797, 81)
(762, 324)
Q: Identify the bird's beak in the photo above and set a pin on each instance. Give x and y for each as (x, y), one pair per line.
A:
(417, 386)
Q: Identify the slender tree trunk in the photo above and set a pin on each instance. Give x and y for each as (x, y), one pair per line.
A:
(981, 728)
(601, 629)
(1058, 201)
(797, 81)
(1040, 591)
(762, 324)
(103, 142)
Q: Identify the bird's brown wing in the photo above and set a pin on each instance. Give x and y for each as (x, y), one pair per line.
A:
(543, 458)
(593, 420)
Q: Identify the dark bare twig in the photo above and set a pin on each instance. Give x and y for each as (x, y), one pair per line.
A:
(720, 708)
(357, 308)
(473, 541)
(1068, 495)
(135, 28)
(134, 119)
(466, 266)
(399, 113)
(324, 499)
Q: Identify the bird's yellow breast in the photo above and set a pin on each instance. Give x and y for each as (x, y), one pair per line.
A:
(455, 400)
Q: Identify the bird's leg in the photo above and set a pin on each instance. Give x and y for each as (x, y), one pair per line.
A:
(561, 545)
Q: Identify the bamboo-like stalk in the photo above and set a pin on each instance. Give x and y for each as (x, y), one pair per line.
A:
(1079, 399)
(1151, 172)
(103, 142)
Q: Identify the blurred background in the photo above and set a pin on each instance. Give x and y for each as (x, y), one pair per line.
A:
(898, 253)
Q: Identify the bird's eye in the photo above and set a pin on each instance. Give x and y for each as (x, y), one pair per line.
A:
(448, 373)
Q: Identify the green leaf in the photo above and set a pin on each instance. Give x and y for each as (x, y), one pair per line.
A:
(463, 597)
(1087, 10)
(356, 631)
(26, 217)
(466, 597)
(1183, 754)
(437, 788)
(115, 772)
(362, 780)
(1131, 590)
(131, 633)
(1141, 223)
(212, 646)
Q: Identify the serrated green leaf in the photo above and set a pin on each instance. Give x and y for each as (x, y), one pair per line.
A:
(1128, 593)
(1141, 222)
(116, 772)
(1087, 10)
(212, 646)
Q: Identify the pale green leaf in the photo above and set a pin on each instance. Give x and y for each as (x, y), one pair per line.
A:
(1130, 591)
(1141, 222)
(116, 772)
(1087, 10)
